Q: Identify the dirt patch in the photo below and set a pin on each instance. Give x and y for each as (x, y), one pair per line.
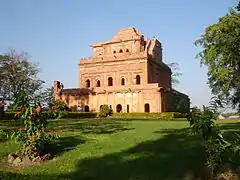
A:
(19, 160)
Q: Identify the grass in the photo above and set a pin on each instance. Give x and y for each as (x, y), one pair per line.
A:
(116, 149)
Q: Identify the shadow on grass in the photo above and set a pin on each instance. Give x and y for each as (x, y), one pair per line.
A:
(170, 157)
(69, 143)
(93, 126)
(86, 126)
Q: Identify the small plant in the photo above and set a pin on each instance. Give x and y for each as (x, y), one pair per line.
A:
(34, 136)
(105, 111)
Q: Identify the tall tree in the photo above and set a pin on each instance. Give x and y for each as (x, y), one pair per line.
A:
(18, 77)
(221, 54)
(175, 73)
(45, 96)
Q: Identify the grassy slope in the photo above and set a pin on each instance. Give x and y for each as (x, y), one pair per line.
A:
(108, 149)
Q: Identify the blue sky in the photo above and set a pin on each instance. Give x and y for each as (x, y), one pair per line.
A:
(57, 33)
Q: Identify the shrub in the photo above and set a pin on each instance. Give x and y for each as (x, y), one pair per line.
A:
(105, 111)
(59, 109)
(34, 137)
(219, 150)
(59, 105)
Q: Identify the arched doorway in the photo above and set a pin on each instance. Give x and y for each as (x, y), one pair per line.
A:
(86, 108)
(119, 108)
(146, 107)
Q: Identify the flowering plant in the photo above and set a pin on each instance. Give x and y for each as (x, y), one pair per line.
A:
(34, 136)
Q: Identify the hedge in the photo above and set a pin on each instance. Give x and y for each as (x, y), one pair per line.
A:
(169, 115)
(78, 115)
(67, 115)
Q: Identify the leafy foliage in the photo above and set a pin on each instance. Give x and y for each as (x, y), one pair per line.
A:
(59, 105)
(238, 6)
(175, 72)
(34, 137)
(59, 109)
(18, 78)
(221, 45)
(219, 149)
(105, 111)
(45, 96)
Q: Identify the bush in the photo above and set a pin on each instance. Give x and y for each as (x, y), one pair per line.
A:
(219, 149)
(105, 111)
(34, 136)
(59, 105)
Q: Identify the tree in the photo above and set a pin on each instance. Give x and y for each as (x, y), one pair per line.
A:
(18, 77)
(46, 97)
(238, 6)
(175, 72)
(221, 54)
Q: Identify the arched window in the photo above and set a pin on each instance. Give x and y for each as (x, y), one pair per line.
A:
(86, 108)
(101, 107)
(88, 83)
(146, 107)
(110, 81)
(122, 81)
(127, 50)
(128, 108)
(138, 79)
(119, 108)
(120, 51)
(114, 52)
(98, 83)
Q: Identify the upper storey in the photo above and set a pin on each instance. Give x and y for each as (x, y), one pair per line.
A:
(128, 43)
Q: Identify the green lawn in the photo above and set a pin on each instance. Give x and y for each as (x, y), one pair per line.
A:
(116, 150)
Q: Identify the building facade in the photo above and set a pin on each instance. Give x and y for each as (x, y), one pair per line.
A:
(128, 74)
